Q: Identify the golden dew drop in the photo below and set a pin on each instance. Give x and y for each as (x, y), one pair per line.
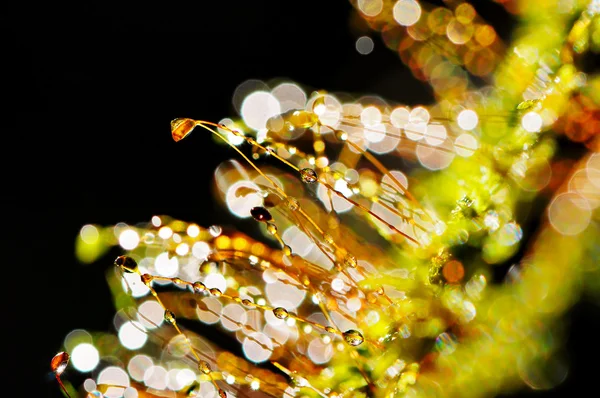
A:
(59, 362)
(319, 102)
(340, 135)
(330, 329)
(216, 292)
(181, 127)
(199, 287)
(280, 313)
(169, 317)
(353, 337)
(204, 367)
(308, 175)
(303, 119)
(272, 228)
(261, 214)
(147, 279)
(127, 264)
(350, 261)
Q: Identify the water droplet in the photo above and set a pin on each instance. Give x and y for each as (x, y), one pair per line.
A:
(341, 135)
(147, 279)
(318, 102)
(181, 127)
(169, 317)
(216, 292)
(299, 381)
(199, 287)
(59, 362)
(247, 302)
(308, 175)
(453, 271)
(527, 104)
(222, 393)
(177, 281)
(204, 367)
(303, 119)
(126, 263)
(272, 228)
(280, 313)
(350, 261)
(379, 290)
(330, 329)
(305, 280)
(292, 203)
(353, 337)
(328, 239)
(260, 214)
(215, 230)
(287, 250)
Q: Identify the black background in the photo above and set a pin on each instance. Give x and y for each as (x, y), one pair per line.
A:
(89, 91)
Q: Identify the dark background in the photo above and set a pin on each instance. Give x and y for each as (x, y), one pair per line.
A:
(89, 91)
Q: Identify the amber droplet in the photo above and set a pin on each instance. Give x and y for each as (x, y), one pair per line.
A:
(181, 127)
(318, 102)
(305, 280)
(222, 393)
(353, 337)
(247, 302)
(350, 261)
(527, 104)
(169, 317)
(379, 290)
(204, 367)
(299, 381)
(216, 292)
(330, 329)
(453, 271)
(59, 362)
(303, 119)
(280, 313)
(340, 135)
(260, 214)
(272, 228)
(308, 175)
(199, 287)
(147, 279)
(287, 250)
(127, 264)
